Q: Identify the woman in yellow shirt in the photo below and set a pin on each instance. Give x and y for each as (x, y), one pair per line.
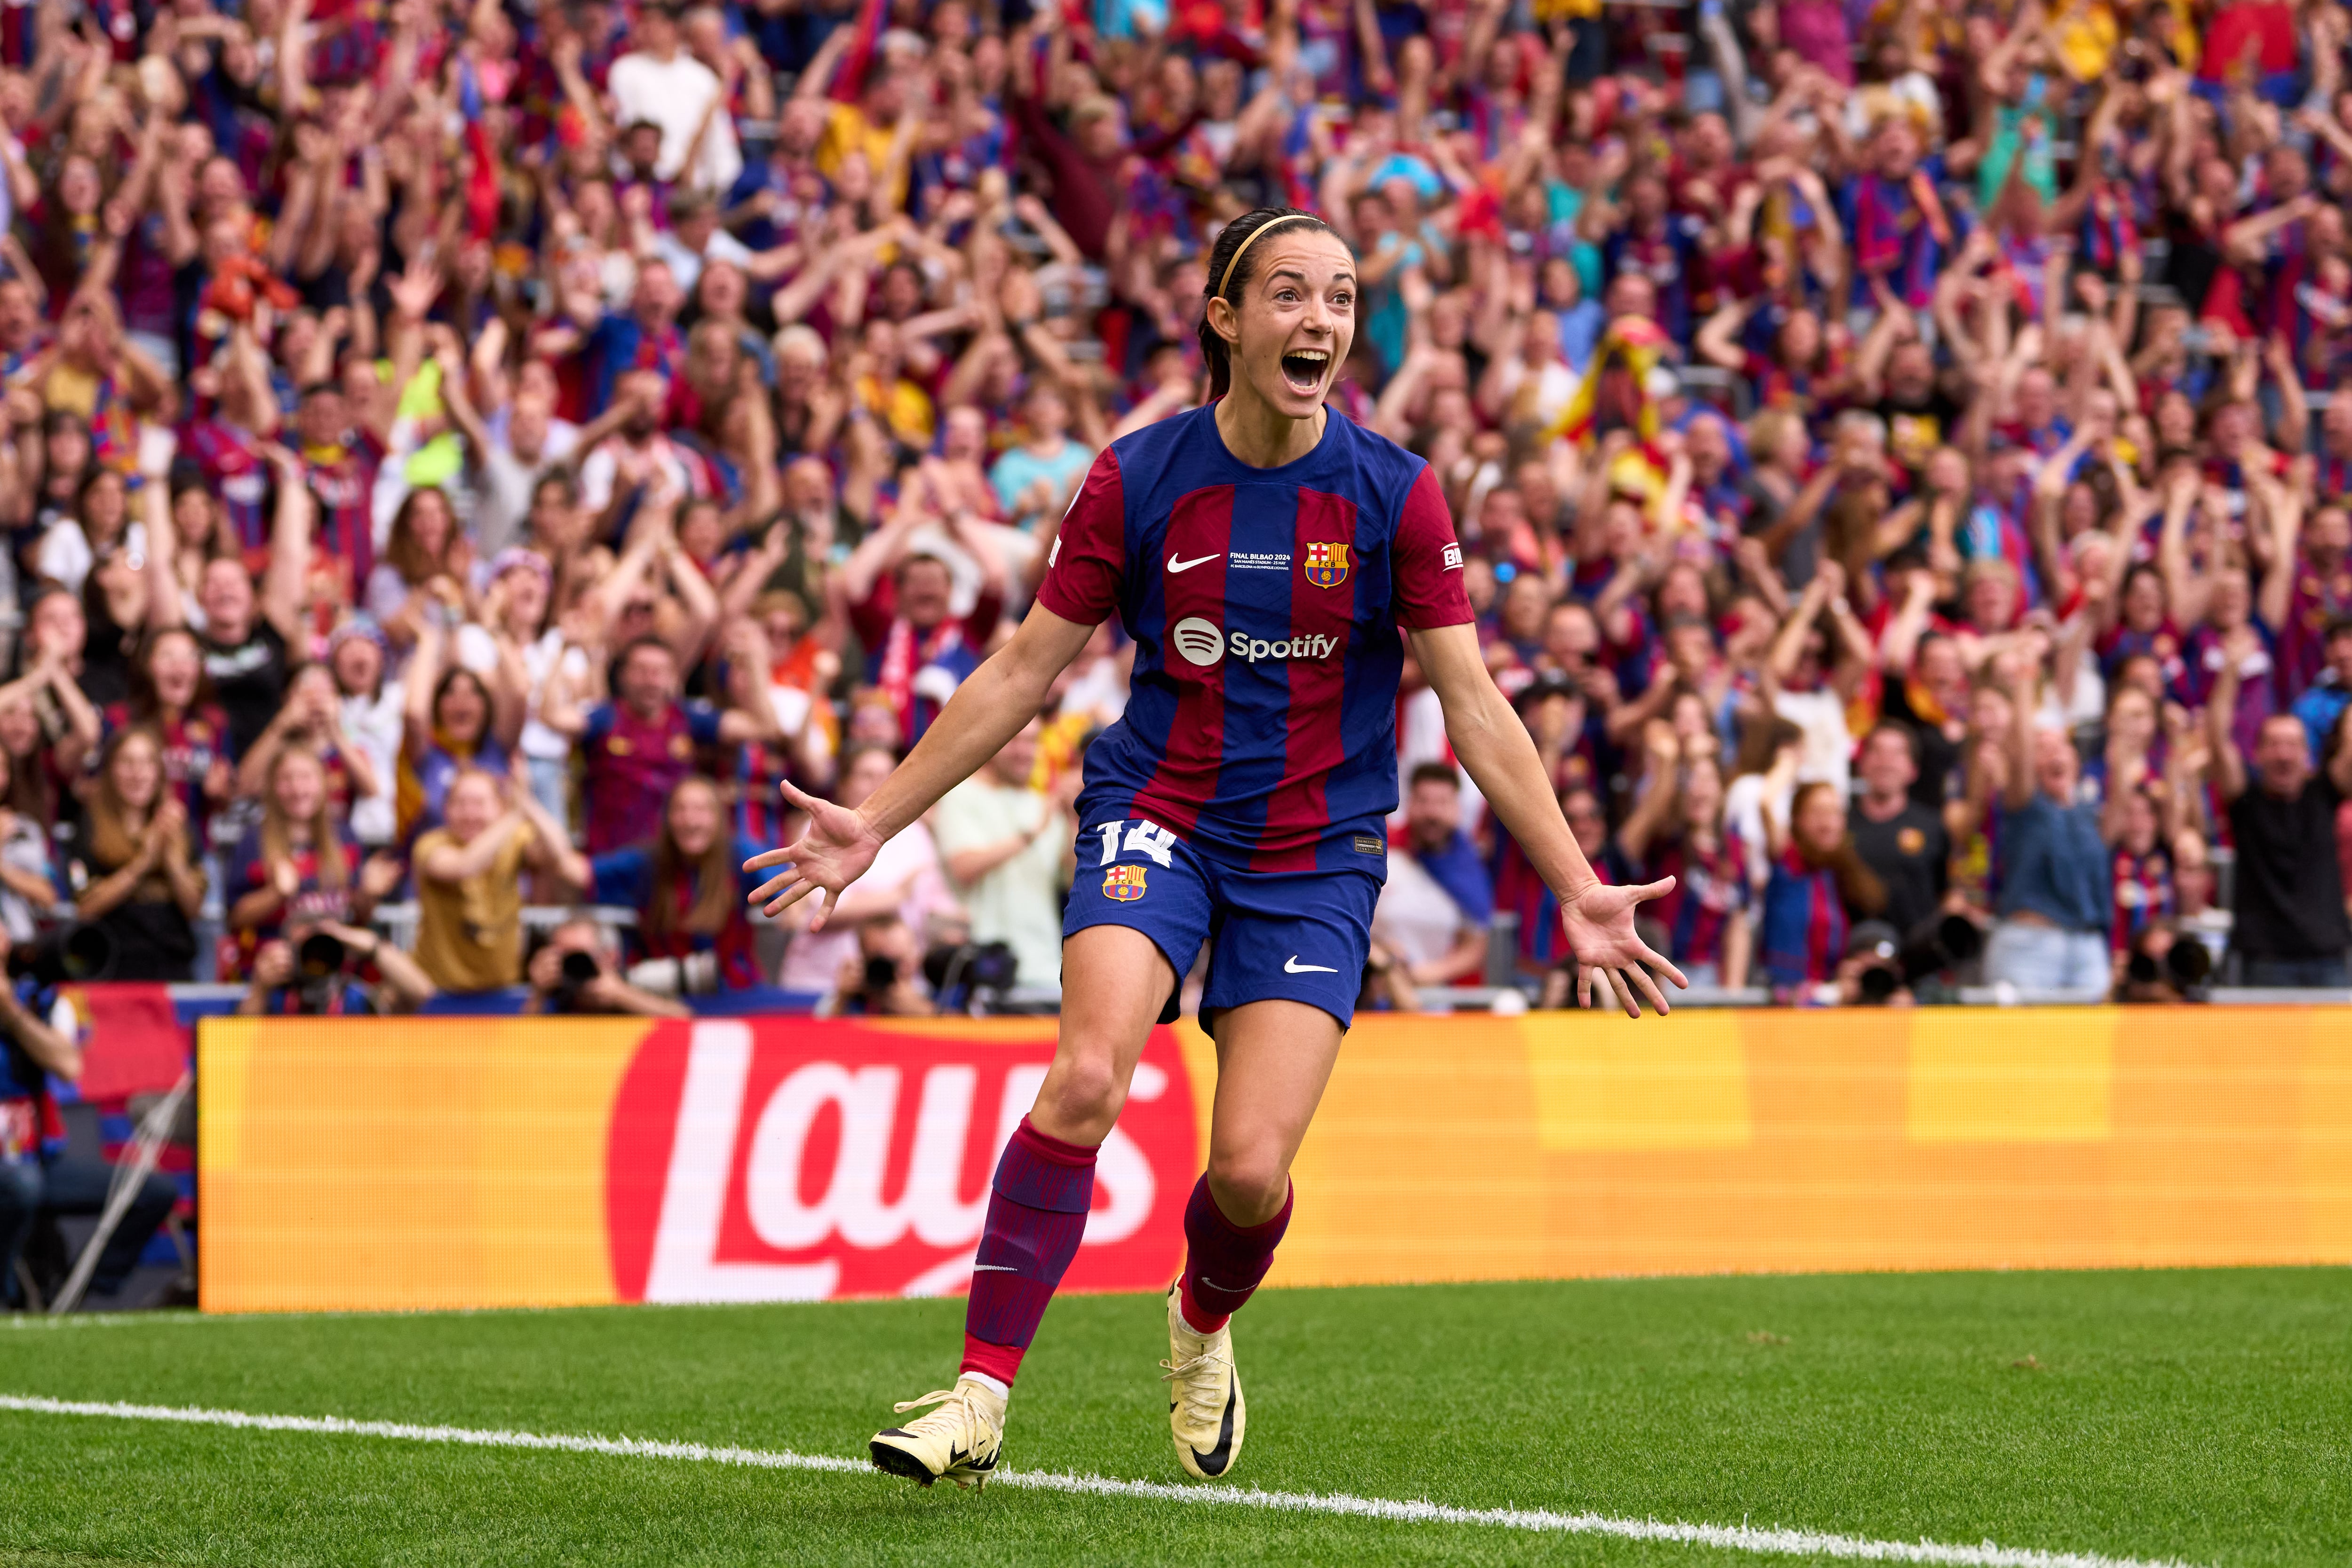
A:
(469, 891)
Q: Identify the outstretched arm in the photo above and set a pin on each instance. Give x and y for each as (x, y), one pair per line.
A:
(1501, 756)
(986, 711)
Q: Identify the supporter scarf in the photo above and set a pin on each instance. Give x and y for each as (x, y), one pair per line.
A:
(2107, 230)
(482, 181)
(1632, 347)
(902, 656)
(849, 79)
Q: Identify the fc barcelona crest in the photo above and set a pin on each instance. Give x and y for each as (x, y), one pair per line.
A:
(1123, 883)
(1326, 565)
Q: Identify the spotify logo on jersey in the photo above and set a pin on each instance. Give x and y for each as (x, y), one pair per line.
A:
(1202, 643)
(1199, 640)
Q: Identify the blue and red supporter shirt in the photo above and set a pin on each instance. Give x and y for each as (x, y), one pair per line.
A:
(1265, 605)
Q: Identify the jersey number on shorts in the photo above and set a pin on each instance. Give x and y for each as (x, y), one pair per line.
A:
(1148, 837)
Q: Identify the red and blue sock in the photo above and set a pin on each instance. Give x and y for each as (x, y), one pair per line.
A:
(1036, 1215)
(1223, 1262)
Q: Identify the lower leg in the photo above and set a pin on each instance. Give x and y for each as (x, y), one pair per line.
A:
(1273, 1060)
(1037, 1217)
(1115, 980)
(1223, 1262)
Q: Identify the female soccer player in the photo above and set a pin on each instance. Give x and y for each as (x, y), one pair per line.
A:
(1264, 554)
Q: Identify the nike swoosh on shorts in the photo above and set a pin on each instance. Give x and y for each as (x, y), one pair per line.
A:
(1294, 967)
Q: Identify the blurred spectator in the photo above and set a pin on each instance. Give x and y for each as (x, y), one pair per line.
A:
(1007, 848)
(882, 977)
(688, 885)
(37, 1177)
(297, 864)
(132, 865)
(469, 881)
(1819, 886)
(2290, 925)
(1435, 909)
(582, 944)
(906, 879)
(2055, 900)
(1905, 844)
(325, 969)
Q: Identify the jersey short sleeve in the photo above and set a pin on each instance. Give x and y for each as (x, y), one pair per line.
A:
(701, 722)
(1428, 572)
(1088, 561)
(600, 723)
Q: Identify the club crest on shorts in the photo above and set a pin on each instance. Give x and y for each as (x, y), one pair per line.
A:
(1123, 882)
(1326, 565)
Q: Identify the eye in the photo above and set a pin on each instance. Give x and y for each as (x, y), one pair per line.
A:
(1344, 300)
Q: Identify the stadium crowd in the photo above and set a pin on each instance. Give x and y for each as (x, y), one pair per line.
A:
(467, 457)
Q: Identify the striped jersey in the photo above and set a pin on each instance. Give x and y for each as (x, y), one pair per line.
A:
(1265, 605)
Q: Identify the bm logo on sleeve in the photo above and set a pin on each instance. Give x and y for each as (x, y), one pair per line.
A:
(1326, 565)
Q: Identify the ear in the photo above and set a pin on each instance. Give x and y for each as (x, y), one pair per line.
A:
(1224, 319)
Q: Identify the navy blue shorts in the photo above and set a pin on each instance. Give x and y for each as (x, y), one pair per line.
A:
(1301, 935)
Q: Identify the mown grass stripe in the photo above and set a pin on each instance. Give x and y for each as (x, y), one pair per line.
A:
(1729, 1538)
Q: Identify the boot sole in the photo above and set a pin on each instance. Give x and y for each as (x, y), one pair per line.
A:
(898, 1462)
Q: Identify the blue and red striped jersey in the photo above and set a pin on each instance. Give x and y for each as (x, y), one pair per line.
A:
(1265, 605)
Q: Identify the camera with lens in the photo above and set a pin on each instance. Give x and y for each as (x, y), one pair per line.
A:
(694, 975)
(318, 961)
(961, 974)
(65, 953)
(2166, 966)
(572, 976)
(1892, 965)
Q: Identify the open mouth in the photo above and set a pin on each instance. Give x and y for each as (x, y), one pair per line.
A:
(1304, 367)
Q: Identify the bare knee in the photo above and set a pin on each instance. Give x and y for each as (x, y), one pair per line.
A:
(1248, 1185)
(1081, 1097)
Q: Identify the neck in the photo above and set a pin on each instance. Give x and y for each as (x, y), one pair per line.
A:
(1264, 437)
(1878, 805)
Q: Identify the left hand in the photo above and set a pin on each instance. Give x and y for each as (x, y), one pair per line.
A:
(1611, 960)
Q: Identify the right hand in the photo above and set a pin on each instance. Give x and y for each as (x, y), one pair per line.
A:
(833, 852)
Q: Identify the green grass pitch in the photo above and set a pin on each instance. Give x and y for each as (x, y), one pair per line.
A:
(2201, 1417)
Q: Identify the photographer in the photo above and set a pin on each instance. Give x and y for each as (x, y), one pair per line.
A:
(313, 972)
(572, 972)
(36, 1176)
(883, 978)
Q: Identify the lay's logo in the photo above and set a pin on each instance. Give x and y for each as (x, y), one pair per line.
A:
(1326, 565)
(1123, 882)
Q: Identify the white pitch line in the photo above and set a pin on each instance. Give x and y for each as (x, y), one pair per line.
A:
(1729, 1538)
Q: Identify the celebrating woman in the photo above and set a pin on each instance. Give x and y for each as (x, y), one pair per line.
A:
(1264, 554)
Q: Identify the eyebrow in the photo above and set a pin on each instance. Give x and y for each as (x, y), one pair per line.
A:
(1342, 275)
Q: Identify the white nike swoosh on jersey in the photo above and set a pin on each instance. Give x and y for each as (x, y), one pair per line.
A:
(1295, 968)
(1176, 564)
(995, 1269)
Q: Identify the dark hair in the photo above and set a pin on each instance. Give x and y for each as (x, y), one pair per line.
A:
(1215, 353)
(1433, 772)
(441, 689)
(1858, 886)
(712, 877)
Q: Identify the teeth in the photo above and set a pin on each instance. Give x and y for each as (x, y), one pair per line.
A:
(1317, 355)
